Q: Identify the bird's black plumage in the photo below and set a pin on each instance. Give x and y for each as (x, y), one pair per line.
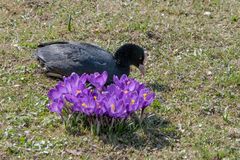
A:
(62, 58)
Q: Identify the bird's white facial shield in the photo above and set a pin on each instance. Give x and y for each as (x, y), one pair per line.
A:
(141, 66)
(142, 69)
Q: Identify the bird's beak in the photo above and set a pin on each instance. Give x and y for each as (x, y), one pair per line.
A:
(142, 69)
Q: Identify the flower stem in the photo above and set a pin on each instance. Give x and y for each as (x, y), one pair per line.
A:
(141, 116)
(98, 126)
(112, 122)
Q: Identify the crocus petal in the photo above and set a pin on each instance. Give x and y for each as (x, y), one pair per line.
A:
(147, 97)
(124, 77)
(115, 79)
(54, 94)
(61, 89)
(83, 78)
(132, 86)
(98, 80)
(56, 106)
(71, 98)
(104, 77)
(76, 108)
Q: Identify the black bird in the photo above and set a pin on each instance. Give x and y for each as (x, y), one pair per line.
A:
(62, 58)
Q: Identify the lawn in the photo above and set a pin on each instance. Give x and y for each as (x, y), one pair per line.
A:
(193, 67)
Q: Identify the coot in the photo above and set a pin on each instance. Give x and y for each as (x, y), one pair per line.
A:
(62, 58)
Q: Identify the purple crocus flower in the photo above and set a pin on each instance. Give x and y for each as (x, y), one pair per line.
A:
(114, 90)
(146, 96)
(120, 82)
(56, 106)
(85, 103)
(76, 107)
(99, 100)
(131, 85)
(75, 82)
(140, 87)
(98, 80)
(54, 94)
(132, 102)
(88, 105)
(57, 92)
(127, 84)
(67, 89)
(115, 107)
(77, 92)
(118, 100)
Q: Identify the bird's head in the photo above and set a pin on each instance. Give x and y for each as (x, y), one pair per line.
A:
(131, 54)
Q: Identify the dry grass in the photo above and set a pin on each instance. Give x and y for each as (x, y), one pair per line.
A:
(193, 66)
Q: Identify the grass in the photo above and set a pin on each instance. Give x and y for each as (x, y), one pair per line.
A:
(193, 66)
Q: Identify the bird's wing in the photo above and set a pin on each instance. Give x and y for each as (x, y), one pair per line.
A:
(67, 57)
(51, 43)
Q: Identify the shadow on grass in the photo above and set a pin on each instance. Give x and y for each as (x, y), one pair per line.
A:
(159, 87)
(154, 133)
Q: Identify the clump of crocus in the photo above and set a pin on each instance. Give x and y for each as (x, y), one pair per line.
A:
(88, 95)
